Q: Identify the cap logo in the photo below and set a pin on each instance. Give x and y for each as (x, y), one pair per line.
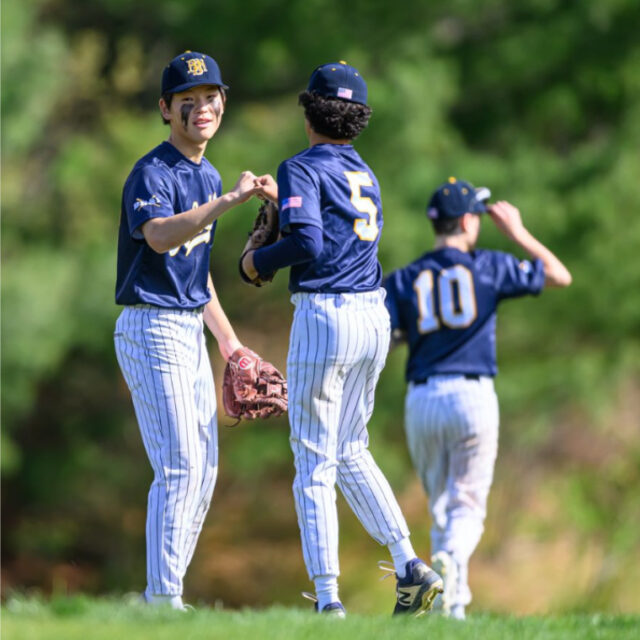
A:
(345, 93)
(196, 67)
(432, 213)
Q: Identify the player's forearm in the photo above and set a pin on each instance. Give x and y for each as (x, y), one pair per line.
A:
(556, 274)
(163, 234)
(304, 243)
(219, 325)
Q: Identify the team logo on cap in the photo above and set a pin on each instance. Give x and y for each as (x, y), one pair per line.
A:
(196, 66)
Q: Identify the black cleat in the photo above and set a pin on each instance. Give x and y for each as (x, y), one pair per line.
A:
(417, 590)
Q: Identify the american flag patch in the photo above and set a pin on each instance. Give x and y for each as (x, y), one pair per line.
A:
(292, 203)
(345, 93)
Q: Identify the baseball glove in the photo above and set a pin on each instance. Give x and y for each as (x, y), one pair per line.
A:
(265, 232)
(252, 387)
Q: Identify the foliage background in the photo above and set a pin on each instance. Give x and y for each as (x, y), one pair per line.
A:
(539, 99)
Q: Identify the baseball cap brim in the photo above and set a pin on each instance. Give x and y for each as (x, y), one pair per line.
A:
(191, 85)
(482, 195)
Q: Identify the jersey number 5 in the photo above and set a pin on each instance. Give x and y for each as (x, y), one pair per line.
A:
(365, 228)
(456, 297)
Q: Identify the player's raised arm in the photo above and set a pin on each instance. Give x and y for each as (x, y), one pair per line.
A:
(164, 233)
(508, 220)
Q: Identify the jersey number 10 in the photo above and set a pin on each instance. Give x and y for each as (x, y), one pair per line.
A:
(456, 297)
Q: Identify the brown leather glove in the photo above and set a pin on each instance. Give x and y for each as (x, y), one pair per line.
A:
(266, 229)
(252, 387)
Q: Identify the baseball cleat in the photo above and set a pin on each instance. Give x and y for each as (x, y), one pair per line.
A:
(169, 602)
(417, 590)
(444, 564)
(333, 609)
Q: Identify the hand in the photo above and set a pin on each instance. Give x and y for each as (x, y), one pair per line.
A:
(245, 187)
(507, 218)
(267, 187)
(248, 266)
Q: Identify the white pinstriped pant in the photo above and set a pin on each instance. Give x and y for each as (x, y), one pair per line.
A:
(163, 356)
(338, 347)
(452, 432)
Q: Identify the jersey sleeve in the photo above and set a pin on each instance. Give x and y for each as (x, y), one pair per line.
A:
(515, 277)
(149, 194)
(390, 284)
(298, 195)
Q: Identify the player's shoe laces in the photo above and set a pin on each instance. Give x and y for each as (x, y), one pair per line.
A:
(333, 609)
(445, 565)
(417, 590)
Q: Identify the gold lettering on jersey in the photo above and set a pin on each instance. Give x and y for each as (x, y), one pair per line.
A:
(196, 67)
(202, 237)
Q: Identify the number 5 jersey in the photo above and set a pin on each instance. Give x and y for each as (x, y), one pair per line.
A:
(330, 187)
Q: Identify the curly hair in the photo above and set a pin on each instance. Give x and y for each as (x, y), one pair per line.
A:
(332, 117)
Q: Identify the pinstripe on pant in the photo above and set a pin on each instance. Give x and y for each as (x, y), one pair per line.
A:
(338, 347)
(163, 356)
(452, 432)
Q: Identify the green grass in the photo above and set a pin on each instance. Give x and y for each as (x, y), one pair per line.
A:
(83, 618)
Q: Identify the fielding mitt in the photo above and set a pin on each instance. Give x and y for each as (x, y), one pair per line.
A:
(266, 228)
(252, 387)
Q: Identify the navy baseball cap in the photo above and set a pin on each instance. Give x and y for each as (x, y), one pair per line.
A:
(190, 69)
(339, 80)
(456, 197)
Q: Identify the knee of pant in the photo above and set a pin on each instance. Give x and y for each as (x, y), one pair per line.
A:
(187, 473)
(469, 499)
(321, 474)
(351, 455)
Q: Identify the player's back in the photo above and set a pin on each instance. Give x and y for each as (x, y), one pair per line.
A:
(331, 187)
(445, 302)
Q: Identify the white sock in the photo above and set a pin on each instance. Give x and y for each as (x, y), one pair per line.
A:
(401, 552)
(175, 602)
(457, 612)
(326, 590)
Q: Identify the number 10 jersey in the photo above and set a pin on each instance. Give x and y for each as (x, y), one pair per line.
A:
(445, 302)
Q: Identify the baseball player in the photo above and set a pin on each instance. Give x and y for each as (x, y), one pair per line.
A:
(331, 219)
(444, 305)
(170, 204)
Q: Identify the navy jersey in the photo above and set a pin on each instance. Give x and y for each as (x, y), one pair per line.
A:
(445, 302)
(329, 186)
(161, 184)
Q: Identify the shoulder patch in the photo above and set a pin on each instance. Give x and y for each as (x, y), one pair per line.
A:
(153, 201)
